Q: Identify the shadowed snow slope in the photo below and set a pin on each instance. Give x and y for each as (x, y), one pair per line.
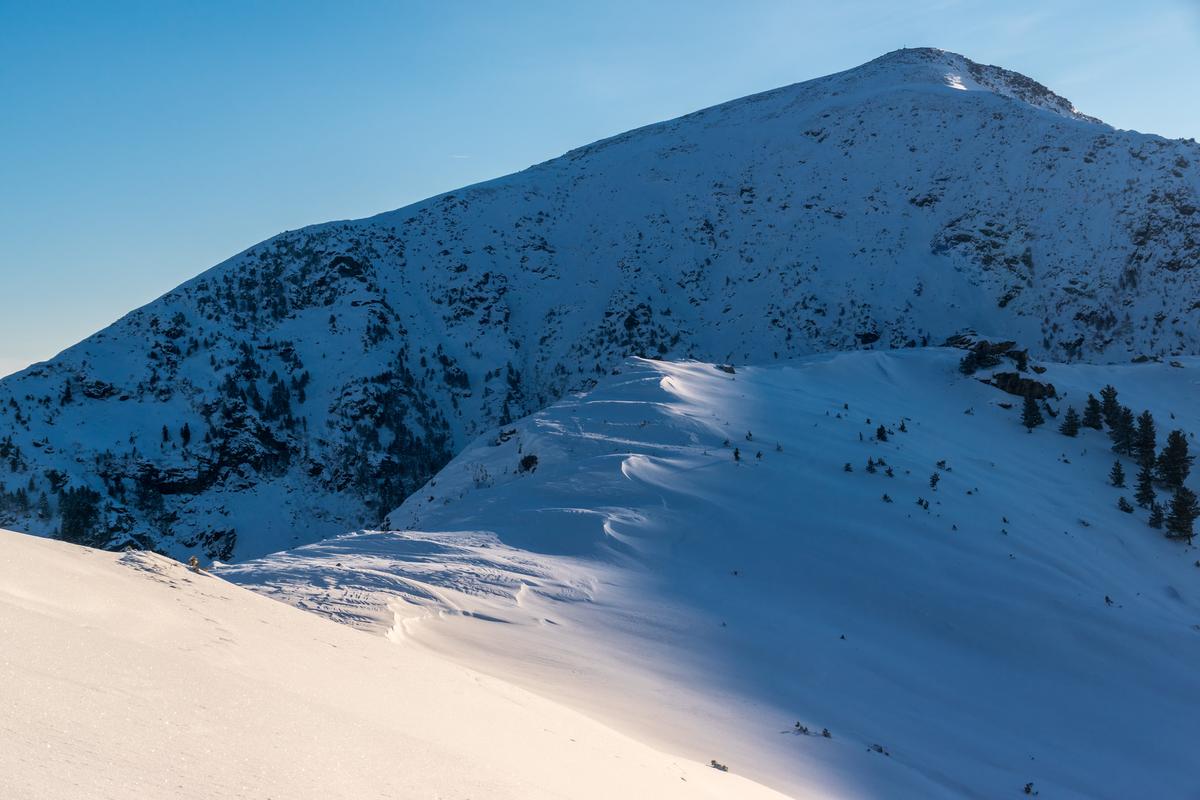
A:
(639, 573)
(129, 676)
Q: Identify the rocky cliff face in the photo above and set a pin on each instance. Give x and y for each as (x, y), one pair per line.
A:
(310, 383)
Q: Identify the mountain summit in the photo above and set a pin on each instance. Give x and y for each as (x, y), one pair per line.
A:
(311, 383)
(943, 68)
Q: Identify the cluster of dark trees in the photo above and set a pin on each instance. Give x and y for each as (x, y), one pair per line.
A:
(1135, 437)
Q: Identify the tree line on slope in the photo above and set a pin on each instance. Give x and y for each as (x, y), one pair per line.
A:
(1135, 438)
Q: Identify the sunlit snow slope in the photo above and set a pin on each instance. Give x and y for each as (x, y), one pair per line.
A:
(641, 574)
(127, 676)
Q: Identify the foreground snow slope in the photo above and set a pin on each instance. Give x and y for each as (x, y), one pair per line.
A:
(639, 573)
(327, 373)
(129, 676)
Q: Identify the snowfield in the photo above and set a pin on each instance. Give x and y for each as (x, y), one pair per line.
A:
(1020, 630)
(128, 676)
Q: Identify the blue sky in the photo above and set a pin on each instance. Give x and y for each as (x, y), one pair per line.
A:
(143, 142)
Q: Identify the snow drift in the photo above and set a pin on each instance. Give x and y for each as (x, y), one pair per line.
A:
(688, 559)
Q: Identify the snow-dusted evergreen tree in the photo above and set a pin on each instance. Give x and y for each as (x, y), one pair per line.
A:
(1109, 407)
(1145, 486)
(1174, 463)
(1123, 432)
(1182, 516)
(1156, 516)
(1092, 417)
(1116, 475)
(1031, 415)
(1070, 423)
(1145, 446)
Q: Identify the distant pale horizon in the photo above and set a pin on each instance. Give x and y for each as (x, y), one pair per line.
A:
(143, 148)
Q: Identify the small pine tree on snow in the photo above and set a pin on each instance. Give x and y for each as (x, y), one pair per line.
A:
(1070, 423)
(847, 468)
(1156, 516)
(185, 434)
(1145, 487)
(903, 427)
(1110, 409)
(1144, 445)
(870, 465)
(886, 498)
(881, 433)
(1116, 475)
(166, 434)
(1174, 463)
(1184, 510)
(1091, 414)
(1123, 432)
(933, 481)
(737, 454)
(1123, 504)
(1031, 415)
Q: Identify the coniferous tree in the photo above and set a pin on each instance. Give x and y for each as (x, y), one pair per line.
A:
(1031, 415)
(166, 434)
(1070, 423)
(933, 481)
(1110, 409)
(1091, 414)
(1116, 475)
(43, 507)
(185, 434)
(1156, 516)
(1145, 487)
(80, 510)
(1144, 440)
(881, 433)
(1123, 504)
(1174, 463)
(1184, 510)
(1123, 432)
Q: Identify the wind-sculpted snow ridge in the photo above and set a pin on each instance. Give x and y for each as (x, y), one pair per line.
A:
(131, 676)
(708, 557)
(310, 384)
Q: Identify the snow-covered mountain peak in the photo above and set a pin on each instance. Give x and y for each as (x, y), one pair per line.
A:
(934, 67)
(311, 383)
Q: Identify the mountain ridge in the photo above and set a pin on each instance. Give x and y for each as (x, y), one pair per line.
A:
(326, 373)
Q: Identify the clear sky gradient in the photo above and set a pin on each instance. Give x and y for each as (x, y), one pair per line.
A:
(143, 142)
